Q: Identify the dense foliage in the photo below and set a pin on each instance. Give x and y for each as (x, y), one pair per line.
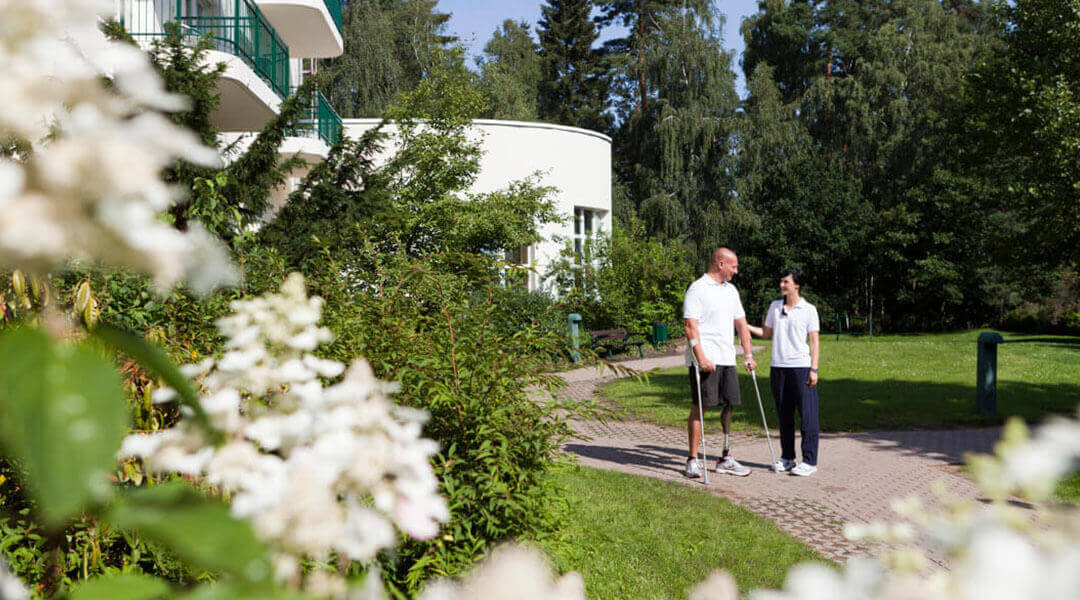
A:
(916, 158)
(630, 281)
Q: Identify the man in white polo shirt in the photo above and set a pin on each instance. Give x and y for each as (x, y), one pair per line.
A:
(713, 312)
(793, 325)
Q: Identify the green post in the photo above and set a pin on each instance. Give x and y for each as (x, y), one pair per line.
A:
(986, 373)
(572, 320)
(659, 334)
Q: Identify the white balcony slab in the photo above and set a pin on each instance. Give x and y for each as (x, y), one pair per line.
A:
(306, 27)
(247, 101)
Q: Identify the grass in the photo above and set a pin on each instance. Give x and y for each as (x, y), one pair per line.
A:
(894, 382)
(1068, 490)
(634, 537)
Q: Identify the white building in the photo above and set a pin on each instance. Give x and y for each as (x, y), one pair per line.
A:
(576, 162)
(267, 47)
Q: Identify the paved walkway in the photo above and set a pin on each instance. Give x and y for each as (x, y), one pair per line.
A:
(859, 473)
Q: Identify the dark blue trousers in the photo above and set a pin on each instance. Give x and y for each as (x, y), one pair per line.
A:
(791, 393)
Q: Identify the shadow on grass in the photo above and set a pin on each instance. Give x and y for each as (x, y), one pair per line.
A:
(649, 456)
(852, 405)
(644, 455)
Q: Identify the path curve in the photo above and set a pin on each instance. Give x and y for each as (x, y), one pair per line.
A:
(858, 476)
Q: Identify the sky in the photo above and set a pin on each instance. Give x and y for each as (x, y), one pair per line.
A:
(473, 21)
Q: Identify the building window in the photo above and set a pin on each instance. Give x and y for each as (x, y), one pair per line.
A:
(585, 223)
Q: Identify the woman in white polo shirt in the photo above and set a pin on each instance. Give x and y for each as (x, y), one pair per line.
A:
(793, 325)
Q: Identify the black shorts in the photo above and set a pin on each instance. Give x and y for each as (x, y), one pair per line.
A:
(719, 385)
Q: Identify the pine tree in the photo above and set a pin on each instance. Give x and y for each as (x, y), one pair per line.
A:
(574, 87)
(641, 18)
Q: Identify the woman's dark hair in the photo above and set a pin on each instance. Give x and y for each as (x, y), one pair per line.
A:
(796, 276)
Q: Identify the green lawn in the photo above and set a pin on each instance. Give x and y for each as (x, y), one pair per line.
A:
(894, 382)
(633, 537)
(1068, 490)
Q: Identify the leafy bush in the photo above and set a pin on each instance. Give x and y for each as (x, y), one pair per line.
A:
(628, 280)
(1058, 312)
(448, 341)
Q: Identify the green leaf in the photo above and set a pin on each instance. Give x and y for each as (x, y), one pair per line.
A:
(221, 591)
(62, 414)
(127, 586)
(198, 529)
(155, 359)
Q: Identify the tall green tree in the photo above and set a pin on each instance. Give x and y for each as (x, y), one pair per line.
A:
(389, 45)
(642, 22)
(812, 213)
(877, 86)
(674, 157)
(510, 73)
(1024, 111)
(574, 88)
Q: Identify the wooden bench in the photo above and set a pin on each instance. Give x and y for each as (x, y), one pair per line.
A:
(615, 340)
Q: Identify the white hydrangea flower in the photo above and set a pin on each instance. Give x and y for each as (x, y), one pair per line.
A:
(315, 469)
(11, 587)
(91, 187)
(511, 573)
(994, 552)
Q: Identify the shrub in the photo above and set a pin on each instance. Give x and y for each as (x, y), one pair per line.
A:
(628, 280)
(458, 355)
(1057, 312)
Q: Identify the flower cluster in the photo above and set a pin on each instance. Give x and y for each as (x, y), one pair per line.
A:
(11, 588)
(510, 572)
(80, 160)
(315, 469)
(994, 551)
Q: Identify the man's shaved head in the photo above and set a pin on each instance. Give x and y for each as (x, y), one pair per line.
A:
(723, 254)
(724, 264)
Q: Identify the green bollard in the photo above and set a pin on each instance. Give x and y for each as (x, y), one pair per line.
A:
(986, 373)
(573, 319)
(659, 334)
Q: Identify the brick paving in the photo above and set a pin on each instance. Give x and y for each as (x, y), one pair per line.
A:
(858, 473)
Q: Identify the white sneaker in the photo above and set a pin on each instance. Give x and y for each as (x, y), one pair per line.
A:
(731, 466)
(804, 470)
(693, 468)
(783, 465)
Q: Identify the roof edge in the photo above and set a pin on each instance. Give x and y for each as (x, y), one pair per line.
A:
(501, 123)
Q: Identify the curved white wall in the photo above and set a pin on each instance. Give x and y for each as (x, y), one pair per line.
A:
(576, 162)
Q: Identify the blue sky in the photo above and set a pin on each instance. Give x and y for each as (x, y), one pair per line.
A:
(475, 20)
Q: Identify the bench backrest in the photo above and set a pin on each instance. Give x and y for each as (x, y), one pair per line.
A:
(608, 333)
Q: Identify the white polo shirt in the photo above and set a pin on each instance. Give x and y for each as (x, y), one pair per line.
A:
(790, 347)
(715, 306)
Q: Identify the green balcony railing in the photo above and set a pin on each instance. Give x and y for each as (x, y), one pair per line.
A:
(233, 26)
(334, 6)
(321, 121)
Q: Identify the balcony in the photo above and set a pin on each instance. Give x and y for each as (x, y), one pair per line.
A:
(311, 28)
(322, 121)
(256, 76)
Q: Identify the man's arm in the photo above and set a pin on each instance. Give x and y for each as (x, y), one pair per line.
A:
(743, 329)
(692, 336)
(815, 352)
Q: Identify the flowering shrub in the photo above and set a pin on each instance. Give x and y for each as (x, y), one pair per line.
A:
(994, 551)
(82, 174)
(300, 460)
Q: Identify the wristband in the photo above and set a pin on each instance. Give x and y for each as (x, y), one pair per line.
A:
(751, 355)
(814, 369)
